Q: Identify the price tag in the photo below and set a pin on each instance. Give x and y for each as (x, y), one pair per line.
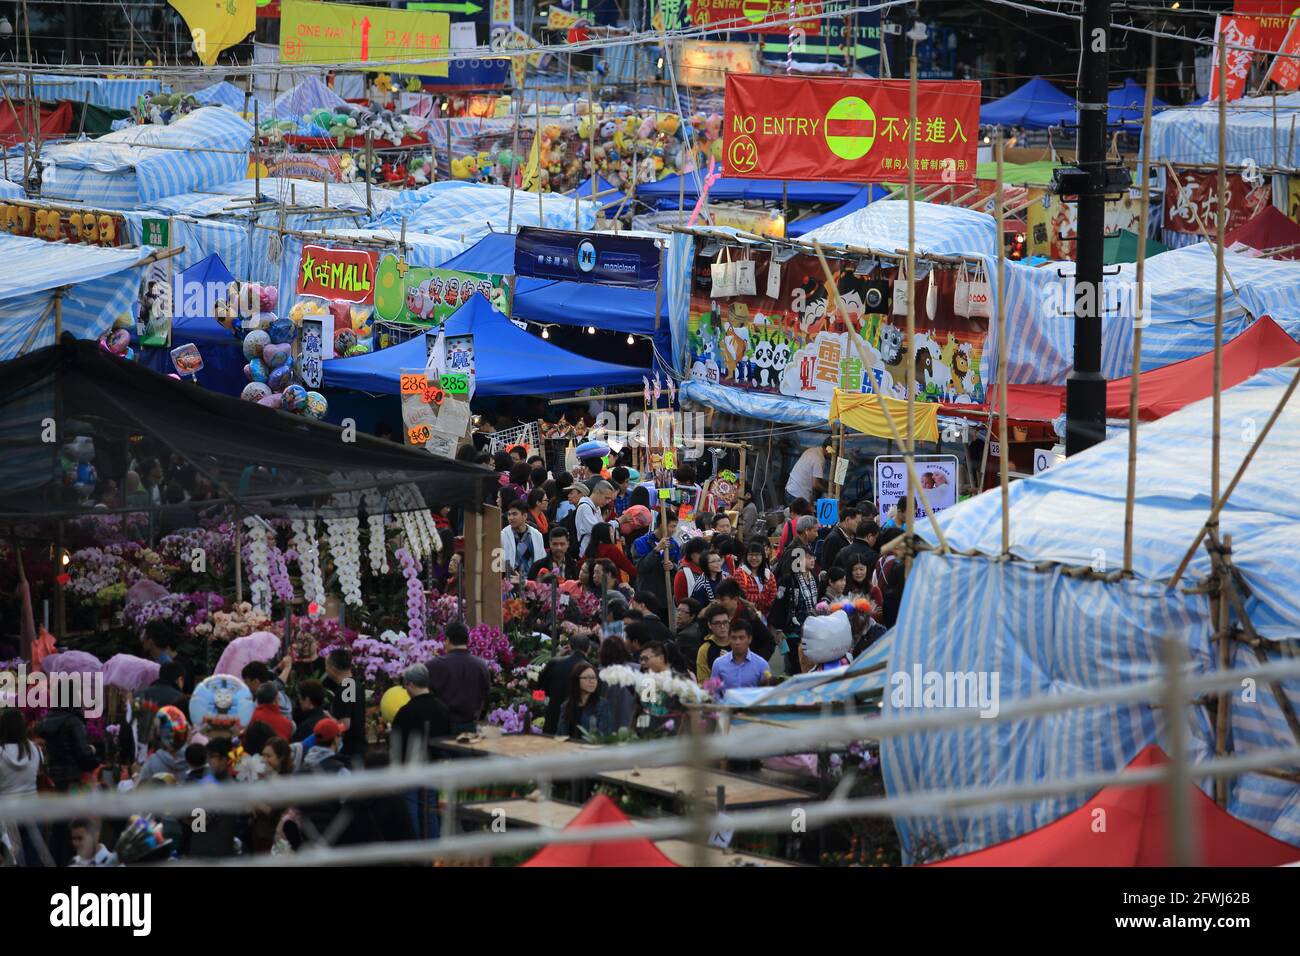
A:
(828, 511)
(418, 434)
(665, 494)
(841, 470)
(414, 384)
(455, 384)
(670, 460)
(433, 395)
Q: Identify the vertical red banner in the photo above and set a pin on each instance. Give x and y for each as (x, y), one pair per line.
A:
(1236, 32)
(1285, 71)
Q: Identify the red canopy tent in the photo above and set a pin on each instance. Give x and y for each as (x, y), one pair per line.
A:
(1136, 833)
(1269, 229)
(55, 122)
(601, 810)
(1163, 391)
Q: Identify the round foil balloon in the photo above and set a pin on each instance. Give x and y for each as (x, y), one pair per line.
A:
(294, 398)
(270, 297)
(280, 379)
(257, 370)
(276, 355)
(282, 330)
(317, 406)
(254, 342)
(255, 392)
(344, 339)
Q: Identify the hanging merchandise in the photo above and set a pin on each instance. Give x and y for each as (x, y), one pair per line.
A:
(376, 544)
(979, 299)
(407, 503)
(257, 557)
(415, 600)
(961, 293)
(308, 549)
(724, 275)
(932, 294)
(344, 535)
(746, 283)
(900, 290)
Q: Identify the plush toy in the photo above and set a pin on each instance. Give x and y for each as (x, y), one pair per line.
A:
(484, 161)
(647, 128)
(107, 229)
(78, 470)
(462, 168)
(827, 637)
(668, 124)
(384, 83)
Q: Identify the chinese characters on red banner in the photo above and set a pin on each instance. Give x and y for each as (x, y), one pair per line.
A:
(756, 16)
(1285, 71)
(1236, 31)
(856, 131)
(1199, 197)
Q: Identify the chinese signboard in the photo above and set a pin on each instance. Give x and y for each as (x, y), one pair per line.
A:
(1053, 225)
(789, 339)
(317, 345)
(780, 127)
(703, 63)
(419, 295)
(1236, 31)
(1199, 197)
(347, 33)
(1272, 17)
(755, 16)
(602, 258)
(1285, 71)
(347, 274)
(155, 232)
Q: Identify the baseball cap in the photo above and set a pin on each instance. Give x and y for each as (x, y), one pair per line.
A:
(327, 729)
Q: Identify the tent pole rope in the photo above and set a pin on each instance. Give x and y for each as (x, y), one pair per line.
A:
(1004, 449)
(1144, 170)
(909, 500)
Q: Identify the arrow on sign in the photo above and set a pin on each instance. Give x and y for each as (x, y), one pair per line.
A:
(860, 51)
(468, 9)
(365, 37)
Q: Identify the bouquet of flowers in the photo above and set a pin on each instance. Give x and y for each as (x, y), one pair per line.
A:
(241, 620)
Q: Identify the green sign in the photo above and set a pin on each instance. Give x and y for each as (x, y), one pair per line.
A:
(157, 232)
(419, 295)
(455, 384)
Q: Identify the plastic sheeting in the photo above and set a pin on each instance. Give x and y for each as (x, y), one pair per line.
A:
(940, 229)
(469, 211)
(1255, 131)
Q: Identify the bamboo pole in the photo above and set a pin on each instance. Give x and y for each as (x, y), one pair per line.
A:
(1004, 481)
(1221, 218)
(1144, 170)
(514, 162)
(541, 216)
(909, 350)
(1223, 712)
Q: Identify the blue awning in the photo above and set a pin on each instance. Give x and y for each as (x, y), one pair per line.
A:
(1036, 105)
(865, 196)
(764, 190)
(508, 360)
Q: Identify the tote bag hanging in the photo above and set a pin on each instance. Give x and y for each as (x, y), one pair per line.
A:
(745, 282)
(724, 276)
(932, 294)
(900, 291)
(979, 296)
(961, 294)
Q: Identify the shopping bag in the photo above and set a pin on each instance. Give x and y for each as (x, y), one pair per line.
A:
(724, 276)
(745, 281)
(900, 291)
(961, 294)
(979, 296)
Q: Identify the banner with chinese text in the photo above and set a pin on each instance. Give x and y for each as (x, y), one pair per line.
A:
(348, 33)
(1285, 69)
(779, 127)
(704, 63)
(1273, 17)
(790, 340)
(1236, 32)
(1199, 197)
(756, 16)
(337, 274)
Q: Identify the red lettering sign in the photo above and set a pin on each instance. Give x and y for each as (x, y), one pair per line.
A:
(1285, 71)
(347, 274)
(1272, 16)
(1195, 205)
(780, 127)
(757, 16)
(1237, 32)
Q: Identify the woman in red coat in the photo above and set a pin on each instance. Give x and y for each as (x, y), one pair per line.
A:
(602, 540)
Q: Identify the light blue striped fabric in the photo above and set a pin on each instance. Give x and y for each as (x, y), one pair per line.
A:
(1109, 628)
(224, 93)
(222, 198)
(102, 283)
(942, 230)
(10, 190)
(113, 94)
(1042, 634)
(469, 211)
(1190, 134)
(200, 239)
(120, 169)
(866, 675)
(308, 95)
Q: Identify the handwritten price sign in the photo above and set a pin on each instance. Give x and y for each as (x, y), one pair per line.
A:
(414, 384)
(418, 435)
(455, 384)
(433, 395)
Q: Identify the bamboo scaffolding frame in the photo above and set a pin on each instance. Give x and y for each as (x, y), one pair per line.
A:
(1004, 450)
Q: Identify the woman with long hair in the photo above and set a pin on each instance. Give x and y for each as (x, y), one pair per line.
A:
(603, 547)
(594, 707)
(20, 764)
(706, 584)
(756, 580)
(858, 584)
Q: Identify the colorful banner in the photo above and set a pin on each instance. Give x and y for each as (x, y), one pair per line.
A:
(1236, 32)
(346, 274)
(596, 257)
(704, 63)
(216, 26)
(419, 295)
(1199, 196)
(756, 16)
(780, 127)
(346, 33)
(1053, 225)
(790, 340)
(1273, 18)
(1285, 69)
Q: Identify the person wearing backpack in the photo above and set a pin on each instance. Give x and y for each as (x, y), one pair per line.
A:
(589, 513)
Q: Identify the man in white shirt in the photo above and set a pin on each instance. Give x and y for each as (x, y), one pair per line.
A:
(589, 513)
(521, 543)
(808, 476)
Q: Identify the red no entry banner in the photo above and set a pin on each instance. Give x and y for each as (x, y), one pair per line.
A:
(849, 130)
(757, 16)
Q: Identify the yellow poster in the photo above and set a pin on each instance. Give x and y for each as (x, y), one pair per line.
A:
(1293, 198)
(357, 35)
(557, 19)
(706, 63)
(216, 25)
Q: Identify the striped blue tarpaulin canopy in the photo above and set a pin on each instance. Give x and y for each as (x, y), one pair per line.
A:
(308, 95)
(868, 674)
(469, 211)
(142, 163)
(1045, 632)
(101, 284)
(10, 190)
(113, 94)
(223, 93)
(200, 239)
(1190, 134)
(942, 230)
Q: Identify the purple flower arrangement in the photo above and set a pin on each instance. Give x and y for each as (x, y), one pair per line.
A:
(415, 604)
(512, 720)
(280, 583)
(488, 642)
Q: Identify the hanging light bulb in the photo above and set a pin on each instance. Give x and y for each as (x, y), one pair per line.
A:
(661, 64)
(591, 330)
(6, 29)
(630, 339)
(546, 333)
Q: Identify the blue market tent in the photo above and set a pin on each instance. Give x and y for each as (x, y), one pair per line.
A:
(1048, 632)
(1128, 103)
(864, 197)
(1036, 105)
(612, 308)
(508, 361)
(664, 193)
